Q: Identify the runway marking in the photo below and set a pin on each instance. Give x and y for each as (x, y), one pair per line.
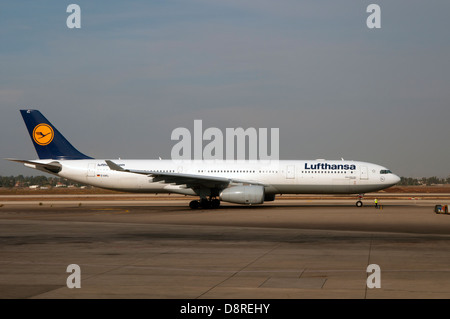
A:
(117, 266)
(117, 211)
(242, 269)
(368, 263)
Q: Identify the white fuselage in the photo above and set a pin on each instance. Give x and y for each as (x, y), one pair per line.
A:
(278, 177)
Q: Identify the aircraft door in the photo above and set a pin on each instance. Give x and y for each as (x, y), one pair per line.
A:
(364, 172)
(290, 172)
(91, 170)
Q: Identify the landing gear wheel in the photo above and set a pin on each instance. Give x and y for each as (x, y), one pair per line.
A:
(215, 203)
(359, 203)
(204, 203)
(194, 204)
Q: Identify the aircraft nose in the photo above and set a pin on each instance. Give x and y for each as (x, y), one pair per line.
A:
(396, 179)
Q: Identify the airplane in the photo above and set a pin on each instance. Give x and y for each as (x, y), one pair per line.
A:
(213, 181)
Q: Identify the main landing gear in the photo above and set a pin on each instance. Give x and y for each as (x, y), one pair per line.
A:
(359, 203)
(205, 203)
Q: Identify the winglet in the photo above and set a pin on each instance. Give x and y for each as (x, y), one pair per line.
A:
(113, 166)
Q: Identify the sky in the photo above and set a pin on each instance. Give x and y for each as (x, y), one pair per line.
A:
(137, 70)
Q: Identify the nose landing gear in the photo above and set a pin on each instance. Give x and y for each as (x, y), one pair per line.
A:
(359, 203)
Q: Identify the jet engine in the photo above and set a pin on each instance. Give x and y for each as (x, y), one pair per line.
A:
(251, 194)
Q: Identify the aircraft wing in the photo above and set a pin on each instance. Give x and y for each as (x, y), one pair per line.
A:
(52, 167)
(190, 180)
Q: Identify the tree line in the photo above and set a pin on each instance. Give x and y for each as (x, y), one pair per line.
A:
(41, 181)
(434, 180)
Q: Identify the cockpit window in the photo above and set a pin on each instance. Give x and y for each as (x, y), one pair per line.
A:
(385, 171)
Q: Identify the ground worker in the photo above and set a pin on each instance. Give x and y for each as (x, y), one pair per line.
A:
(376, 203)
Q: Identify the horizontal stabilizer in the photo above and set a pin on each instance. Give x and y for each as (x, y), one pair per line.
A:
(52, 167)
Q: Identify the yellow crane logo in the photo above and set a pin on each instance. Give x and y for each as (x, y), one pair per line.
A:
(43, 134)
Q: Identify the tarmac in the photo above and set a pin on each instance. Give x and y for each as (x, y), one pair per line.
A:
(161, 249)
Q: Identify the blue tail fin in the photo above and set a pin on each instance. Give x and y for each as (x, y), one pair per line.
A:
(48, 141)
